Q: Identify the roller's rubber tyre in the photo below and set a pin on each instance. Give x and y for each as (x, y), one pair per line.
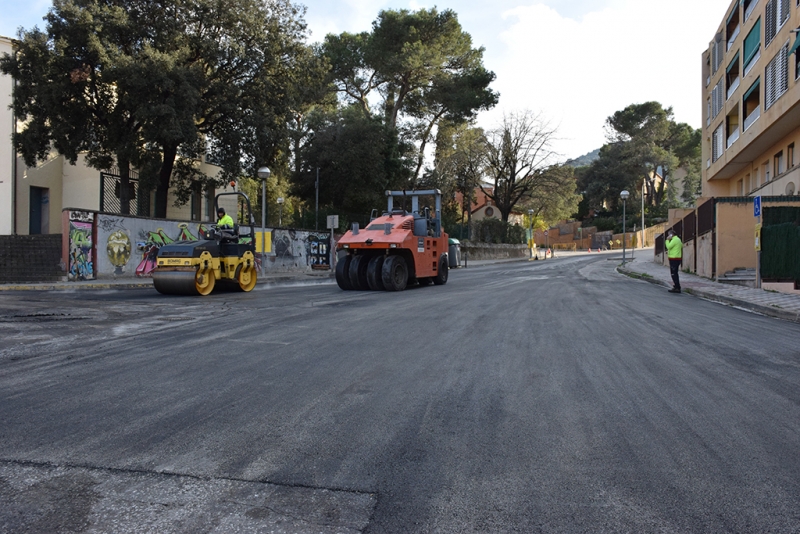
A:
(441, 275)
(375, 273)
(358, 272)
(343, 273)
(394, 273)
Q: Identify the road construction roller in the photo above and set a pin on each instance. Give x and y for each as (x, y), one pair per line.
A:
(223, 257)
(398, 248)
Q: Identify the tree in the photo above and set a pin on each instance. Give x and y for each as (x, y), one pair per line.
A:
(156, 84)
(358, 159)
(646, 146)
(518, 153)
(459, 163)
(423, 66)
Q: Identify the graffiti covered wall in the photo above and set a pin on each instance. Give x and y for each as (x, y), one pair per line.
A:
(80, 258)
(128, 246)
(298, 250)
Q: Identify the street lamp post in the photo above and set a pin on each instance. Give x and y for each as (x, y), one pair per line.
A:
(264, 174)
(531, 244)
(624, 196)
(316, 217)
(643, 227)
(280, 211)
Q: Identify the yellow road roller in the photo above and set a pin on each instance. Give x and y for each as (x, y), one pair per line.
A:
(221, 258)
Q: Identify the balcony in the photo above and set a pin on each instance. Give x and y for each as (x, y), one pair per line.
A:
(733, 137)
(749, 10)
(734, 86)
(733, 37)
(752, 63)
(748, 122)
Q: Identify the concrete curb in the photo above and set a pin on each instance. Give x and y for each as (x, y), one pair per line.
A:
(769, 311)
(148, 283)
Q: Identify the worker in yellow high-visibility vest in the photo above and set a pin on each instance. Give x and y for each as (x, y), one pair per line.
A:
(675, 255)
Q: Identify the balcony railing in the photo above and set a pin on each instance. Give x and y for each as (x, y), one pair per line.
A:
(748, 122)
(752, 63)
(734, 86)
(734, 35)
(750, 9)
(733, 137)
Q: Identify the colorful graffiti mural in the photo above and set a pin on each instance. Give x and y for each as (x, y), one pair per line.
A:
(118, 248)
(80, 251)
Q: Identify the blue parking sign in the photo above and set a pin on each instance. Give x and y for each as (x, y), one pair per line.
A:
(757, 207)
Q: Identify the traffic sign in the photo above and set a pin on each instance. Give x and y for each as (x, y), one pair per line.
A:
(757, 207)
(333, 222)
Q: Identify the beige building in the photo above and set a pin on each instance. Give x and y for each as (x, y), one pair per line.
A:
(751, 126)
(6, 151)
(751, 97)
(32, 198)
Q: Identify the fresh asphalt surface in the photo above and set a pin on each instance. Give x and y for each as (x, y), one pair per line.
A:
(554, 396)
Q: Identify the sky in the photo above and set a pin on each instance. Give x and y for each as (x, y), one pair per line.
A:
(574, 62)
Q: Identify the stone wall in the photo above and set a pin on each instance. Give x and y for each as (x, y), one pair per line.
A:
(31, 258)
(489, 251)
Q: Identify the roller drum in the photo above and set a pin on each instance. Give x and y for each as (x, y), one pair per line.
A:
(176, 282)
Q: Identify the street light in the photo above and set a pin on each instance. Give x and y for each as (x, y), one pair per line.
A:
(532, 244)
(624, 196)
(280, 211)
(263, 173)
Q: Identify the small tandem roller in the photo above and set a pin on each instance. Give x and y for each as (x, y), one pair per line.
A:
(219, 260)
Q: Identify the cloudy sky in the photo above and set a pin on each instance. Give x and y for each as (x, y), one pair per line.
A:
(574, 61)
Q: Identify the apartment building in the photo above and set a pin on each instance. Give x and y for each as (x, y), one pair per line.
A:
(751, 95)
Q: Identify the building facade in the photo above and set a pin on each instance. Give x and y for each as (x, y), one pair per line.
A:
(6, 151)
(751, 102)
(32, 198)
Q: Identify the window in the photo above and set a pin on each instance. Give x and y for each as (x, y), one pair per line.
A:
(748, 186)
(707, 69)
(732, 26)
(790, 156)
(732, 126)
(739, 189)
(751, 104)
(732, 75)
(777, 161)
(752, 46)
(717, 53)
(765, 171)
(776, 15)
(717, 98)
(717, 140)
(776, 77)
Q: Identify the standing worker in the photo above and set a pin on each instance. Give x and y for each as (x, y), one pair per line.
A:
(674, 253)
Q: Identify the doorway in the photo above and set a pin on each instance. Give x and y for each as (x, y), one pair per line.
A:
(39, 215)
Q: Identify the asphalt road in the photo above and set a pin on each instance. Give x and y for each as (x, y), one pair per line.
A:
(554, 396)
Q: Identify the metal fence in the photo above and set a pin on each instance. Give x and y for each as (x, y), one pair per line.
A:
(110, 193)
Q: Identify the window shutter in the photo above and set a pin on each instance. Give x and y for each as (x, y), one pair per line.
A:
(769, 29)
(784, 12)
(717, 143)
(783, 71)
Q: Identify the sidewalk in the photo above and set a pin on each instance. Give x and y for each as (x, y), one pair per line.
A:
(772, 304)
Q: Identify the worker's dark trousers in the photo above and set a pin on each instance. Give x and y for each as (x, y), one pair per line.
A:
(674, 269)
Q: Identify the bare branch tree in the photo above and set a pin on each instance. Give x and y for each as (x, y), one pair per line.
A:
(517, 155)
